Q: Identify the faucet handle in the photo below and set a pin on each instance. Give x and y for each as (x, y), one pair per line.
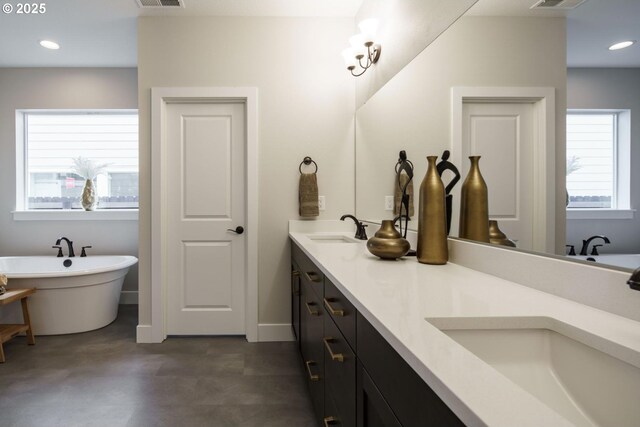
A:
(594, 251)
(572, 250)
(59, 248)
(84, 253)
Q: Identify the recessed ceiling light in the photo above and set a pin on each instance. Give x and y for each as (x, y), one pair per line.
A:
(621, 45)
(49, 44)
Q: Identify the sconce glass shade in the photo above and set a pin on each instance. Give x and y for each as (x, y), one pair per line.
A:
(369, 29)
(358, 46)
(349, 57)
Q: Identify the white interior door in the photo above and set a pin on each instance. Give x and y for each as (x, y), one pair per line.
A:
(205, 181)
(503, 135)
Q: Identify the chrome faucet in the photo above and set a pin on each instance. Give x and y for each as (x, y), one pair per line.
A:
(585, 244)
(69, 245)
(361, 233)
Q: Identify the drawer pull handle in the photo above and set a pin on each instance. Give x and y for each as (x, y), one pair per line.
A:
(312, 276)
(310, 310)
(328, 421)
(334, 356)
(332, 310)
(312, 377)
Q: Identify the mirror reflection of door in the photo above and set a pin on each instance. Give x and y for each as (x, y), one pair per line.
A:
(502, 134)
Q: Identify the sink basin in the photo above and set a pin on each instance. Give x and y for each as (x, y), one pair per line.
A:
(558, 364)
(331, 238)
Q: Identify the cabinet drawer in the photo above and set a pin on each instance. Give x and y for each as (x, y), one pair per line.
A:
(412, 400)
(340, 373)
(311, 326)
(341, 311)
(309, 273)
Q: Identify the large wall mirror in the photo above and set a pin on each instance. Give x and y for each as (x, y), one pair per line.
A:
(499, 83)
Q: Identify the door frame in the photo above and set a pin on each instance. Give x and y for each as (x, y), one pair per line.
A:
(544, 142)
(161, 97)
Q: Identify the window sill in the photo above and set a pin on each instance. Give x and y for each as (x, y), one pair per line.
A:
(76, 215)
(600, 213)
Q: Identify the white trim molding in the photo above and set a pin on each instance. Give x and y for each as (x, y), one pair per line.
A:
(76, 215)
(275, 332)
(600, 213)
(544, 164)
(160, 98)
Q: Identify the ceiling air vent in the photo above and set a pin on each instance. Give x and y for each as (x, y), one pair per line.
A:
(160, 3)
(557, 4)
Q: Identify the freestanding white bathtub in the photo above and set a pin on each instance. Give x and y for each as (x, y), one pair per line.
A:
(631, 261)
(81, 297)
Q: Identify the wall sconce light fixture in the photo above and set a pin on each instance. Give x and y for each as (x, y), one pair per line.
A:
(362, 45)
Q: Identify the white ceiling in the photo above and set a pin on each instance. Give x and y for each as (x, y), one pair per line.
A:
(102, 33)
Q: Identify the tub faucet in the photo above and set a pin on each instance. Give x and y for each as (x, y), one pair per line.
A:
(69, 245)
(585, 243)
(361, 233)
(634, 280)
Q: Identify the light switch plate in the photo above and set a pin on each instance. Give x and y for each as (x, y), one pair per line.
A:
(388, 203)
(321, 204)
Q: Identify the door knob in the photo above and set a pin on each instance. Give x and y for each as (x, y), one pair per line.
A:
(238, 230)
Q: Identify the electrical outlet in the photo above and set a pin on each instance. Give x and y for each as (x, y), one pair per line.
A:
(388, 203)
(321, 205)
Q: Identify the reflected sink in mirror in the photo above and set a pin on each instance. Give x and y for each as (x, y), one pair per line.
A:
(564, 367)
(331, 238)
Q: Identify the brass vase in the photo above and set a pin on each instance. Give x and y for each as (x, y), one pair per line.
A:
(497, 236)
(432, 219)
(387, 243)
(474, 205)
(89, 196)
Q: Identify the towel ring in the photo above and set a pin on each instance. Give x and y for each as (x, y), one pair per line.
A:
(307, 161)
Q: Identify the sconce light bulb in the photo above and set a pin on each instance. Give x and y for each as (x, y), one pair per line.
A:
(369, 29)
(349, 58)
(357, 44)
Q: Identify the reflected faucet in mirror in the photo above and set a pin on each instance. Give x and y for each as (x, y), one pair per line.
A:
(361, 233)
(585, 245)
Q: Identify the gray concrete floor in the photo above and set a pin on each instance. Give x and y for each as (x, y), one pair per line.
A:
(103, 378)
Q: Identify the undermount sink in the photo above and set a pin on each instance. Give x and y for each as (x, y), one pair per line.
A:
(331, 238)
(558, 364)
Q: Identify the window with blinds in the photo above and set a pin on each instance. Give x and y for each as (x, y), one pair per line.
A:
(591, 159)
(52, 141)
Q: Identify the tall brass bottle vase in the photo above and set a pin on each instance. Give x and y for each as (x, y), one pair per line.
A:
(474, 205)
(432, 219)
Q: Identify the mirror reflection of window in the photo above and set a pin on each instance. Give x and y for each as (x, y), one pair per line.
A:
(596, 179)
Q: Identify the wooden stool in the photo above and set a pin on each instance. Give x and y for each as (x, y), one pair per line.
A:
(9, 331)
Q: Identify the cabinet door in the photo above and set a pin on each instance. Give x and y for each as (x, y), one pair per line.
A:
(373, 410)
(295, 300)
(414, 403)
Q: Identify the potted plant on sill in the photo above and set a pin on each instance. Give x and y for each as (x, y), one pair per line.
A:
(88, 169)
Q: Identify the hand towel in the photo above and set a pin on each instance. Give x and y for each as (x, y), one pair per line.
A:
(397, 196)
(308, 195)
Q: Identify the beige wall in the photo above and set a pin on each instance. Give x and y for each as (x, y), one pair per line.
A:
(609, 88)
(405, 29)
(60, 88)
(306, 105)
(413, 110)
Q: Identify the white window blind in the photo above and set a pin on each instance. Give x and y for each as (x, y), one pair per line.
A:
(53, 139)
(591, 160)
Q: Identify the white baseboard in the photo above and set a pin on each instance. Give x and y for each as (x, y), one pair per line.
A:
(143, 334)
(275, 332)
(129, 297)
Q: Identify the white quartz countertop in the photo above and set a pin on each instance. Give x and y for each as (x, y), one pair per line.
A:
(397, 296)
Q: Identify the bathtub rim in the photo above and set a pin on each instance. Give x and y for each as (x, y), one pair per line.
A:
(126, 261)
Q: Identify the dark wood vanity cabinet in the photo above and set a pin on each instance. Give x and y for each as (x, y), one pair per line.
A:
(355, 377)
(295, 300)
